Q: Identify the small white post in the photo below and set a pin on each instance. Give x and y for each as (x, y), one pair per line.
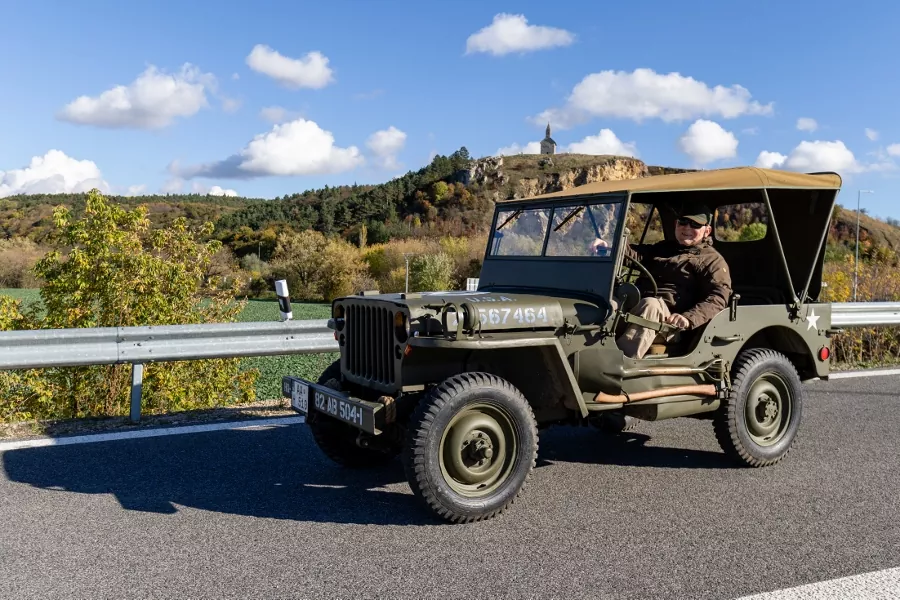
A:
(284, 300)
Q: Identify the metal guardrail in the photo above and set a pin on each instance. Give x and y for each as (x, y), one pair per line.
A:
(50, 348)
(43, 348)
(865, 314)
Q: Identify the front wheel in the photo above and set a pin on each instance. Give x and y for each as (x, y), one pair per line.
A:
(758, 421)
(471, 448)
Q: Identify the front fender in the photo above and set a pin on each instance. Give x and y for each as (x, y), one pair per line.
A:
(524, 361)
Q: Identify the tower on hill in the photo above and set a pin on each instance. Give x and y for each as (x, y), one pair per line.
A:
(548, 146)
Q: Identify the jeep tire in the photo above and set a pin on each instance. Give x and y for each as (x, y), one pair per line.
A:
(338, 440)
(472, 445)
(758, 420)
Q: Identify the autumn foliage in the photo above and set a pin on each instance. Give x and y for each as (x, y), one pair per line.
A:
(111, 269)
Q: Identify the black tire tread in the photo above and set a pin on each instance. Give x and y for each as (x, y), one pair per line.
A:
(724, 423)
(421, 422)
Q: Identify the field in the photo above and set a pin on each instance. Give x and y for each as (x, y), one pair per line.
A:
(271, 368)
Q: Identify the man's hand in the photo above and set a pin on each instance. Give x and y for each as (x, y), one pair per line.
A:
(678, 321)
(597, 244)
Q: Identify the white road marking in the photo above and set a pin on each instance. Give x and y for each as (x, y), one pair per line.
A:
(871, 586)
(875, 373)
(145, 433)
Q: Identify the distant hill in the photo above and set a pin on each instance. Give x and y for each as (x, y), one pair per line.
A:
(452, 195)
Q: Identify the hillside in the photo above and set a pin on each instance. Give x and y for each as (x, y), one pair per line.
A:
(453, 195)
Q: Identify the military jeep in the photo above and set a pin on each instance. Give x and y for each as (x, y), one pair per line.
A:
(459, 383)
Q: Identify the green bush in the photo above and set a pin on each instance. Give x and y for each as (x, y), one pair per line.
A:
(431, 272)
(116, 271)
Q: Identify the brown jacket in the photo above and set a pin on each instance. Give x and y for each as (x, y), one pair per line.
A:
(693, 281)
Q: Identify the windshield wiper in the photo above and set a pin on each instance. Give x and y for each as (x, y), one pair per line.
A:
(510, 218)
(569, 217)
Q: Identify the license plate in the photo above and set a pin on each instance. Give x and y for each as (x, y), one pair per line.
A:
(300, 396)
(339, 408)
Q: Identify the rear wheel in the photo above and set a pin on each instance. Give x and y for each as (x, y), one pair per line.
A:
(758, 421)
(338, 441)
(472, 446)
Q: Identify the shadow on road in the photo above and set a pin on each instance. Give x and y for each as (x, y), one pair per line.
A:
(275, 474)
(629, 449)
(279, 473)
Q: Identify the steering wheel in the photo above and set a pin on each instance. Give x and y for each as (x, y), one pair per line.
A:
(643, 271)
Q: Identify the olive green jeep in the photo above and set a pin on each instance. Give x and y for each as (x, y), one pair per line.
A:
(460, 382)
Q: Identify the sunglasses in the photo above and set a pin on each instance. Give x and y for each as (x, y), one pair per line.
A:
(692, 224)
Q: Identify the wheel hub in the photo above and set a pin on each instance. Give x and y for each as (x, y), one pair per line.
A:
(767, 410)
(478, 449)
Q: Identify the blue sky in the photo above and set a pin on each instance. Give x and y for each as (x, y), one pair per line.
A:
(288, 96)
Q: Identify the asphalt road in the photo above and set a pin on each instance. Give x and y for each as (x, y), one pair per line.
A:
(656, 514)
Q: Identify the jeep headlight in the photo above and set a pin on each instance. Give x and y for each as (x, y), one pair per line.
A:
(401, 326)
(337, 315)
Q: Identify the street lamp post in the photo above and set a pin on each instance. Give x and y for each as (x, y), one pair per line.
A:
(856, 262)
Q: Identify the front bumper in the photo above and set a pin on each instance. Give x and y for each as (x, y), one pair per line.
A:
(306, 397)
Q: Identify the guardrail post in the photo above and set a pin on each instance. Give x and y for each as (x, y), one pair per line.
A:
(137, 385)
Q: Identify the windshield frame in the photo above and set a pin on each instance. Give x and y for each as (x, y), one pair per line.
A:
(564, 206)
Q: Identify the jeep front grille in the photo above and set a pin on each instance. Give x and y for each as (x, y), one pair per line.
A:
(370, 343)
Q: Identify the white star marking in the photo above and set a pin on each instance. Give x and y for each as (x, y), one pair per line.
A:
(812, 320)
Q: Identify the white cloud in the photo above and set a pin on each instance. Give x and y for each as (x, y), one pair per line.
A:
(605, 142)
(512, 33)
(173, 185)
(385, 144)
(299, 147)
(813, 156)
(807, 124)
(707, 141)
(871, 134)
(894, 149)
(278, 114)
(136, 190)
(311, 71)
(770, 160)
(750, 131)
(513, 149)
(218, 191)
(53, 173)
(152, 101)
(644, 94)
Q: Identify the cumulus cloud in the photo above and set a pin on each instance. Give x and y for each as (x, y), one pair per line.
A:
(218, 191)
(644, 94)
(813, 156)
(136, 190)
(770, 160)
(513, 149)
(894, 149)
(807, 124)
(707, 141)
(605, 142)
(871, 134)
(511, 33)
(310, 71)
(53, 173)
(299, 147)
(385, 144)
(152, 101)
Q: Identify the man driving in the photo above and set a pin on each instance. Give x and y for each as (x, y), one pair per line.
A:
(692, 278)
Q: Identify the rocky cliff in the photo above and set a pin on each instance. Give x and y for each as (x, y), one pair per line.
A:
(523, 176)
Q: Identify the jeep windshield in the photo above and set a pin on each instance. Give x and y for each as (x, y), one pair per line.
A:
(560, 231)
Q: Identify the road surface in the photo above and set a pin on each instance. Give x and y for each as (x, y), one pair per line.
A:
(657, 513)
